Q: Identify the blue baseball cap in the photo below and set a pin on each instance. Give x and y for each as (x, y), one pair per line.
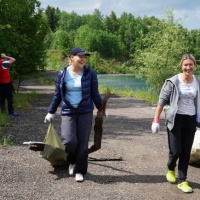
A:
(78, 51)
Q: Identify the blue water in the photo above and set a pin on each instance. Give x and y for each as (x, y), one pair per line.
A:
(121, 81)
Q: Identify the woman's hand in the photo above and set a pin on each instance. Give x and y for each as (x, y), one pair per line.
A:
(155, 127)
(49, 118)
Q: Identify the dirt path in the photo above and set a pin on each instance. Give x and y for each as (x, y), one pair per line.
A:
(127, 135)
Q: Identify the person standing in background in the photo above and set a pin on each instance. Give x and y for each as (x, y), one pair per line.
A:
(6, 85)
(181, 93)
(76, 89)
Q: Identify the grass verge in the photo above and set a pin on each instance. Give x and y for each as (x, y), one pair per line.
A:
(21, 103)
(148, 96)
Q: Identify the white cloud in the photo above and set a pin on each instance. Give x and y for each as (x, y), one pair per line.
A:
(181, 8)
(197, 14)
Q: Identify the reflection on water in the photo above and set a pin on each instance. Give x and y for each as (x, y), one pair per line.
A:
(121, 81)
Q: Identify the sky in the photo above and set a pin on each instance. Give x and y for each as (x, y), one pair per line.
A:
(186, 10)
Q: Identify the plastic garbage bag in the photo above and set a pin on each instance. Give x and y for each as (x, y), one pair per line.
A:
(195, 152)
(54, 150)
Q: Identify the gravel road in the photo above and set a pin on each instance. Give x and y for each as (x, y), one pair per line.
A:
(130, 165)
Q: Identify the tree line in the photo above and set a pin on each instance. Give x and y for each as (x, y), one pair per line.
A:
(148, 46)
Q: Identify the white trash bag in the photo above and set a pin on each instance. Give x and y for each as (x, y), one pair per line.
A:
(195, 151)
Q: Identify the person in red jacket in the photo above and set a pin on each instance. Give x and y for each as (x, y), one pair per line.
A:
(5, 85)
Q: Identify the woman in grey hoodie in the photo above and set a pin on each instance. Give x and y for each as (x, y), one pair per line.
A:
(181, 94)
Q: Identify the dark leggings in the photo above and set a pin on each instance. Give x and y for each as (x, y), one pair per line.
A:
(6, 94)
(180, 140)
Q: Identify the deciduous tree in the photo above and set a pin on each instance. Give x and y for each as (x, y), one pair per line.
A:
(22, 35)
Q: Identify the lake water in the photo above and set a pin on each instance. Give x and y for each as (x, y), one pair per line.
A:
(121, 81)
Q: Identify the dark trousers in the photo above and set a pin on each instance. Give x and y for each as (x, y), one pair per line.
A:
(75, 132)
(180, 140)
(6, 94)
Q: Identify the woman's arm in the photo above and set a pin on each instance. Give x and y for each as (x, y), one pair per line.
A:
(158, 112)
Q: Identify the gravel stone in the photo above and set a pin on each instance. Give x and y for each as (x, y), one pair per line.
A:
(130, 165)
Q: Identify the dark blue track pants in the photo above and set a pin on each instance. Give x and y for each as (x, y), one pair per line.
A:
(75, 132)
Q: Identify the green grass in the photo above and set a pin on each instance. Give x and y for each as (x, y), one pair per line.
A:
(4, 120)
(7, 140)
(21, 100)
(148, 96)
(104, 89)
(55, 60)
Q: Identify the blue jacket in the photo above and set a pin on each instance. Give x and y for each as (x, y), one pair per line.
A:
(90, 94)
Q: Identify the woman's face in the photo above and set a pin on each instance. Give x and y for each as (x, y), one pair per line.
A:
(188, 67)
(79, 61)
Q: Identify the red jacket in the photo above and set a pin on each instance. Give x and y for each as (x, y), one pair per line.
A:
(4, 71)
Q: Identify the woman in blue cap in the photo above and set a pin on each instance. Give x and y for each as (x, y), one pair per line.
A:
(77, 91)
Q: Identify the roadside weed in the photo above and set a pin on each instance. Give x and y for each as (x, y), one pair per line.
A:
(4, 120)
(7, 140)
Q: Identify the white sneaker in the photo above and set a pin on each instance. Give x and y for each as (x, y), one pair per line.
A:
(79, 177)
(71, 169)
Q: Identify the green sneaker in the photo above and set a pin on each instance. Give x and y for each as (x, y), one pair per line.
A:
(171, 176)
(185, 187)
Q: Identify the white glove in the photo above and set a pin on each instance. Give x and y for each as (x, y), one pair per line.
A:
(155, 127)
(49, 118)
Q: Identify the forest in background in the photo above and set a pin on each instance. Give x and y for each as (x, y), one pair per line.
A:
(41, 38)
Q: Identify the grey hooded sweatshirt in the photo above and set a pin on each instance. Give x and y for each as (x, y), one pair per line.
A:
(169, 96)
